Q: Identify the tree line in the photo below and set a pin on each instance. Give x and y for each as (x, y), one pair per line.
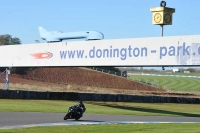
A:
(145, 70)
(7, 39)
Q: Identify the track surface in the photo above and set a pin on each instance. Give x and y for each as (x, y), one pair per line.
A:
(23, 118)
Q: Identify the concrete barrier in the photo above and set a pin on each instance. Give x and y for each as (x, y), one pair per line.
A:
(15, 94)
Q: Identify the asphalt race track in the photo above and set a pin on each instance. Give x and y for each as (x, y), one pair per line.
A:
(26, 119)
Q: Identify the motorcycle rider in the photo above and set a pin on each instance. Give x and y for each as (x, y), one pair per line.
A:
(76, 111)
(81, 107)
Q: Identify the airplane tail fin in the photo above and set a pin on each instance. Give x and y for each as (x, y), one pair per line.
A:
(42, 32)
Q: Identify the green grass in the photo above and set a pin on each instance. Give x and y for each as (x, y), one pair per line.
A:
(93, 107)
(174, 83)
(121, 108)
(119, 128)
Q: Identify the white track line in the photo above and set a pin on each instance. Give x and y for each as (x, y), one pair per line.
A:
(90, 123)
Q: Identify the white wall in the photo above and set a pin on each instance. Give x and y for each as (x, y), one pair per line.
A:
(155, 51)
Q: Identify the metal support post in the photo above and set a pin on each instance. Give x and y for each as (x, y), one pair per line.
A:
(162, 28)
(7, 78)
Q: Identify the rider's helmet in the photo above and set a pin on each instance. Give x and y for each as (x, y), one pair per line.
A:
(79, 103)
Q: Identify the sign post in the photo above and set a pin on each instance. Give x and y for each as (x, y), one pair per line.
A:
(162, 15)
(7, 78)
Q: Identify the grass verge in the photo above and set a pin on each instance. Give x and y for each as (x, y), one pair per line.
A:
(178, 84)
(94, 107)
(119, 128)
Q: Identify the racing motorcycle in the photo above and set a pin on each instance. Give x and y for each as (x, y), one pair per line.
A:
(74, 113)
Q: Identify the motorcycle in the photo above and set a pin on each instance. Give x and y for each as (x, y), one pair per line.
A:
(74, 113)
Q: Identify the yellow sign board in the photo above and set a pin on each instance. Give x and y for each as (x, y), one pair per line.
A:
(162, 15)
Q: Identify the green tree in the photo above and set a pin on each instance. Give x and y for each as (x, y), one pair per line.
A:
(7, 39)
(191, 70)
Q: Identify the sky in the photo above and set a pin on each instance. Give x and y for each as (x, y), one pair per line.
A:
(115, 19)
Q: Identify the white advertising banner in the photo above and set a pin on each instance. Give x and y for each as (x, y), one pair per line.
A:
(154, 51)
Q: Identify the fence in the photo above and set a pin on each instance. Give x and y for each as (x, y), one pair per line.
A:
(151, 84)
(182, 76)
(145, 82)
(121, 74)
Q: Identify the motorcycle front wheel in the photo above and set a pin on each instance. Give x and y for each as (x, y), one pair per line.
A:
(77, 118)
(66, 116)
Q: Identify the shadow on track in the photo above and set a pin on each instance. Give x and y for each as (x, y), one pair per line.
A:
(82, 120)
(87, 121)
(144, 109)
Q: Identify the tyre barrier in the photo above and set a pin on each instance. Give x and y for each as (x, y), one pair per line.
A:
(16, 94)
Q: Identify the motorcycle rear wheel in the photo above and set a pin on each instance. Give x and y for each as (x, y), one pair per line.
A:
(77, 118)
